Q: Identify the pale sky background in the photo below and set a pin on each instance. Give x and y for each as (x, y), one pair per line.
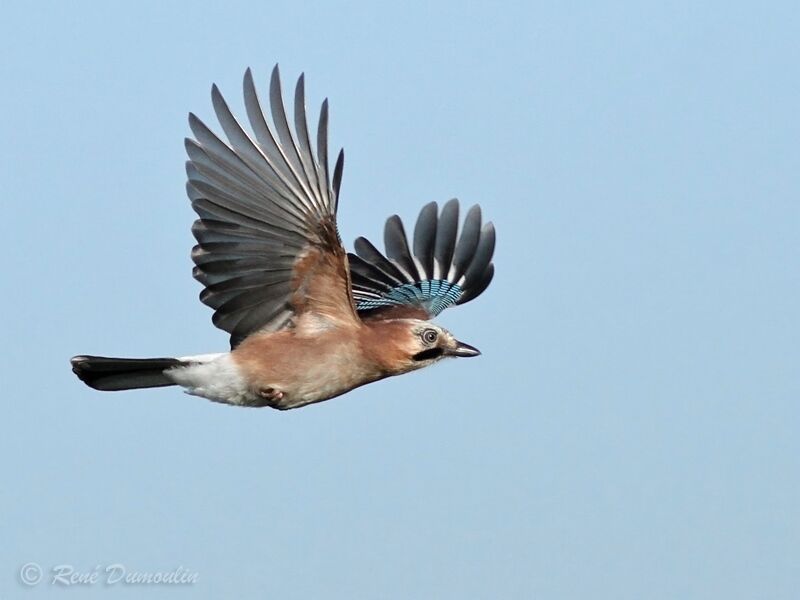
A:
(632, 429)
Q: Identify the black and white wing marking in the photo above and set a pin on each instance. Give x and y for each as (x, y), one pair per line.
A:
(442, 270)
(267, 226)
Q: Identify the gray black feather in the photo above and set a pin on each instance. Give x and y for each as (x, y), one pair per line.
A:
(445, 268)
(114, 374)
(263, 199)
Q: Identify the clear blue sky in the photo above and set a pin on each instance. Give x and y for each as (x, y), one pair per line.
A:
(632, 428)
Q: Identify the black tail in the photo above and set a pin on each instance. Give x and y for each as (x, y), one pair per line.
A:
(112, 374)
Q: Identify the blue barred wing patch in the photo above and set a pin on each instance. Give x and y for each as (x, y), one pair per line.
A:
(434, 295)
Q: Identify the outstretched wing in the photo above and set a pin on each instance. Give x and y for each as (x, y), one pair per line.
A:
(438, 273)
(268, 251)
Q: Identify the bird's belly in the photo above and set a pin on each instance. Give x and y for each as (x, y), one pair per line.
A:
(287, 371)
(322, 382)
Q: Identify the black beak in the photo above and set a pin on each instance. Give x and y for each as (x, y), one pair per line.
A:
(463, 350)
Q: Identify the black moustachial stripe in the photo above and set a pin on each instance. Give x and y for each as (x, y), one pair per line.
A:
(428, 354)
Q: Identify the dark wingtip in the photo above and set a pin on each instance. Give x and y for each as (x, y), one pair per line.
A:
(247, 78)
(275, 77)
(337, 175)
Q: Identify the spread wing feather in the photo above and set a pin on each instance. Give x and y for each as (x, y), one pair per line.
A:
(444, 269)
(267, 225)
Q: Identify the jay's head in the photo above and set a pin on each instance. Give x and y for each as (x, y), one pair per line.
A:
(421, 343)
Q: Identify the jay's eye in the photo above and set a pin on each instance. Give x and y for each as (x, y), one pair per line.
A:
(429, 336)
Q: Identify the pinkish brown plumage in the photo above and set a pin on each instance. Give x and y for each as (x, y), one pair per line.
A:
(308, 322)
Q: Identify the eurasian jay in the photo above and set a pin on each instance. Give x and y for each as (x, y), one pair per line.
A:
(307, 320)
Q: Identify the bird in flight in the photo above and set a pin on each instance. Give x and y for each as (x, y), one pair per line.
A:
(307, 320)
